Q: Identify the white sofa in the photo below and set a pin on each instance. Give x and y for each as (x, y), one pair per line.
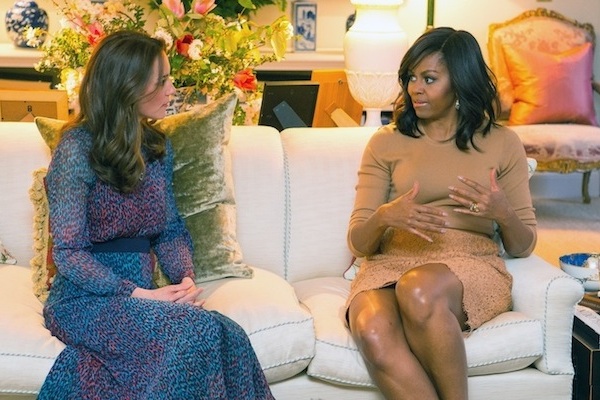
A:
(294, 192)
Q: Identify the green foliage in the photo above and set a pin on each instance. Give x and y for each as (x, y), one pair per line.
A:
(231, 8)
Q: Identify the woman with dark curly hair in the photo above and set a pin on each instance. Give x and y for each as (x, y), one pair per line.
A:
(112, 210)
(432, 188)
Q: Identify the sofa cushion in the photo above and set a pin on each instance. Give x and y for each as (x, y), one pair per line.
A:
(27, 349)
(258, 173)
(546, 142)
(321, 169)
(202, 182)
(551, 88)
(508, 342)
(280, 329)
(50, 130)
(23, 151)
(203, 187)
(42, 263)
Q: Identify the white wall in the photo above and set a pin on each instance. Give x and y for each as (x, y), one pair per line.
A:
(471, 15)
(475, 17)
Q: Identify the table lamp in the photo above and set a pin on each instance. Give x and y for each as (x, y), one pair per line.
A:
(373, 48)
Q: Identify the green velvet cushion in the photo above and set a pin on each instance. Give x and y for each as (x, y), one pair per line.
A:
(202, 184)
(203, 187)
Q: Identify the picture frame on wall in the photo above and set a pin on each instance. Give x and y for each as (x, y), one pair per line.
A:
(305, 26)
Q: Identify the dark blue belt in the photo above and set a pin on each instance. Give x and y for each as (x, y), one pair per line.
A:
(123, 245)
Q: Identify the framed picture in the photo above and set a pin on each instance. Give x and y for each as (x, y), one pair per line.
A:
(25, 105)
(305, 25)
(288, 104)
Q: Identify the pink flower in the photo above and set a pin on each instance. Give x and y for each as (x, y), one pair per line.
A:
(245, 80)
(203, 6)
(176, 7)
(95, 33)
(183, 45)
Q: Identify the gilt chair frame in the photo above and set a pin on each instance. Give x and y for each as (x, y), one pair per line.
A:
(564, 165)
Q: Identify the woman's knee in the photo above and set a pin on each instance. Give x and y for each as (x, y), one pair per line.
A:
(376, 337)
(423, 291)
(375, 324)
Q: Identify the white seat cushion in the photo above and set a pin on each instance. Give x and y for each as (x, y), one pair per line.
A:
(280, 329)
(508, 342)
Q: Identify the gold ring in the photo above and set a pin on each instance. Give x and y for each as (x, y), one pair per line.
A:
(474, 207)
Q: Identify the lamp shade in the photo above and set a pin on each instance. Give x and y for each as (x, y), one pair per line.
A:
(373, 49)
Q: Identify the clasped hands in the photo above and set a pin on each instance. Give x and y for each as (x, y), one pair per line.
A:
(475, 199)
(185, 292)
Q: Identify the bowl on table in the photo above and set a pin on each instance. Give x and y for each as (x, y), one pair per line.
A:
(584, 267)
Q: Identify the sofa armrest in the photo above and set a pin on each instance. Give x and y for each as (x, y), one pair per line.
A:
(546, 293)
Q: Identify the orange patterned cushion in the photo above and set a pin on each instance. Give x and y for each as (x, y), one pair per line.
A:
(551, 88)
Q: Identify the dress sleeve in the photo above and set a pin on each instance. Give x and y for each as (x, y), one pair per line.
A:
(173, 247)
(69, 182)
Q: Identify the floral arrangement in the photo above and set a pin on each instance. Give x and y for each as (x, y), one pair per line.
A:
(230, 9)
(208, 53)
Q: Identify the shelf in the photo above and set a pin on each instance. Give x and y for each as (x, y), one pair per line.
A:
(15, 57)
(307, 61)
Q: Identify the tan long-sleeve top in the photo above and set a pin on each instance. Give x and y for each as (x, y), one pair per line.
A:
(392, 162)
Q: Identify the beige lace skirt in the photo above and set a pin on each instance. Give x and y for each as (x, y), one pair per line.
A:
(472, 258)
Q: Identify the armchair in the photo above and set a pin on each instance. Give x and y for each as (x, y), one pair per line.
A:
(543, 63)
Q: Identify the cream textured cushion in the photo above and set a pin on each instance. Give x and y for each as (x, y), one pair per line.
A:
(336, 154)
(280, 329)
(42, 264)
(337, 358)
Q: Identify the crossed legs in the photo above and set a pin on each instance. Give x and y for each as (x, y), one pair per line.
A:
(411, 337)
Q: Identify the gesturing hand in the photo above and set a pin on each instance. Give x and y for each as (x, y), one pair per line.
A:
(480, 201)
(404, 213)
(184, 292)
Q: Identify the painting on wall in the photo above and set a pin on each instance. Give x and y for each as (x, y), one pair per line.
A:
(305, 24)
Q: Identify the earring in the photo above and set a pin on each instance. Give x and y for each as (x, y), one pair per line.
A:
(457, 104)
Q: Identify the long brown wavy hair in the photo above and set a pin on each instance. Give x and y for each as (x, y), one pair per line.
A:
(114, 82)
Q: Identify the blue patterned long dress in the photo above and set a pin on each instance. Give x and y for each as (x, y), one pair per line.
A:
(119, 347)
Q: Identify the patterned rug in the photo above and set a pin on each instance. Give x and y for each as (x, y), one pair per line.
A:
(566, 226)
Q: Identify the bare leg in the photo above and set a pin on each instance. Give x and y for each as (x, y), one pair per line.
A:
(430, 303)
(377, 330)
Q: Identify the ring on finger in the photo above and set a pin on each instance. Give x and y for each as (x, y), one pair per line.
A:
(474, 207)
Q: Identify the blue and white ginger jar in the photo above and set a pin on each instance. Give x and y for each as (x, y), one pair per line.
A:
(22, 15)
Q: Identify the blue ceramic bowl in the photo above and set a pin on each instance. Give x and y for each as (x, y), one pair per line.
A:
(573, 264)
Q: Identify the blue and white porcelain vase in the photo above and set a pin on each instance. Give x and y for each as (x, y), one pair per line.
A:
(22, 15)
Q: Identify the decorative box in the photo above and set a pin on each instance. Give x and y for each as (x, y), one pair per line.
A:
(586, 354)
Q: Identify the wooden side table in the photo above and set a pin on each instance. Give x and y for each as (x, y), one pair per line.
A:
(585, 349)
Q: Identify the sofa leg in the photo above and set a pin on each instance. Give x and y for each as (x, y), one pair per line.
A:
(585, 184)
